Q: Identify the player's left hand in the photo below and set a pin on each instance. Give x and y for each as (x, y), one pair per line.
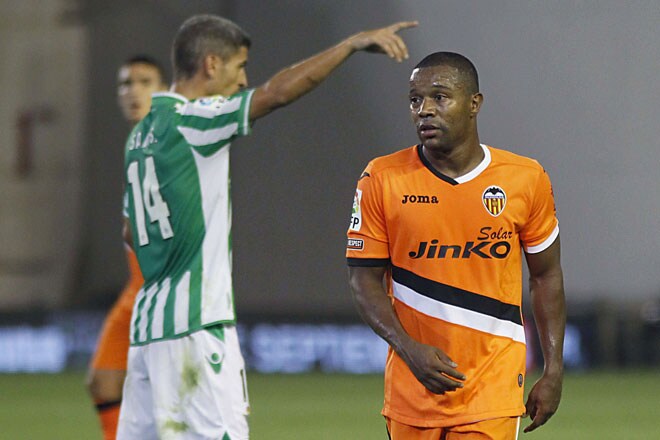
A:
(543, 400)
(384, 40)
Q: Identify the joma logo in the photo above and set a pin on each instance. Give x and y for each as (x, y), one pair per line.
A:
(411, 198)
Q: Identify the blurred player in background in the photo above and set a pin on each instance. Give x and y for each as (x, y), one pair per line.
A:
(137, 79)
(186, 376)
(443, 223)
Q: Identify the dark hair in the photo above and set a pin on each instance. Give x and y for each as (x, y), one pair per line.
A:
(149, 60)
(201, 35)
(465, 67)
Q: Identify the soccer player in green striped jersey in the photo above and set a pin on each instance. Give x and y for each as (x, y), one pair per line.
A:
(185, 371)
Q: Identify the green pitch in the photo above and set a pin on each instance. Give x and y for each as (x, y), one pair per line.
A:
(595, 406)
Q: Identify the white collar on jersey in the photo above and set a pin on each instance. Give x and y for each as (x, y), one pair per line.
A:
(478, 169)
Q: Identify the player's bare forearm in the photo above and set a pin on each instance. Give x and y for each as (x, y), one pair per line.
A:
(430, 365)
(548, 304)
(549, 308)
(375, 306)
(293, 82)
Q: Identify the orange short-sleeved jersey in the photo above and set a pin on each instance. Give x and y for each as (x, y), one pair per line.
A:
(454, 248)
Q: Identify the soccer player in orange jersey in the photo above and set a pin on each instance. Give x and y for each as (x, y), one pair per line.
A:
(138, 78)
(445, 224)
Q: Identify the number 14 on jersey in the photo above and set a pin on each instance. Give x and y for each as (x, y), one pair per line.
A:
(147, 197)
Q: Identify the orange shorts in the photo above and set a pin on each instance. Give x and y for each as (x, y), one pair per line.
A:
(112, 347)
(505, 428)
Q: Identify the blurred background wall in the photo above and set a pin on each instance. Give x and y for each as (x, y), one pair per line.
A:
(43, 78)
(572, 84)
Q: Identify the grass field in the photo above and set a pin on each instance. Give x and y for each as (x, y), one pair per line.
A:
(596, 406)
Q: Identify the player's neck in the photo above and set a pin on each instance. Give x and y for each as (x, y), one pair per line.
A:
(457, 161)
(190, 88)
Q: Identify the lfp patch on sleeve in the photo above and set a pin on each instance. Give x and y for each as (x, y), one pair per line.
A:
(356, 216)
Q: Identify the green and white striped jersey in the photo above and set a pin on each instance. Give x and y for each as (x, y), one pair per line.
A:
(178, 203)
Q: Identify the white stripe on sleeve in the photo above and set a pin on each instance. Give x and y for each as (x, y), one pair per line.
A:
(546, 243)
(201, 138)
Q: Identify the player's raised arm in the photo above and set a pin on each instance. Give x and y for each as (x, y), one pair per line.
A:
(294, 81)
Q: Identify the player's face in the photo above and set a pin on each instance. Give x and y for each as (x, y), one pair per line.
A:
(231, 76)
(135, 84)
(442, 110)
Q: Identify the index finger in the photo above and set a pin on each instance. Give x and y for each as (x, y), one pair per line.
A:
(450, 372)
(448, 366)
(396, 27)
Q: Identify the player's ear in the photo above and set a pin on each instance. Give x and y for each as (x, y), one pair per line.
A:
(211, 65)
(475, 105)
